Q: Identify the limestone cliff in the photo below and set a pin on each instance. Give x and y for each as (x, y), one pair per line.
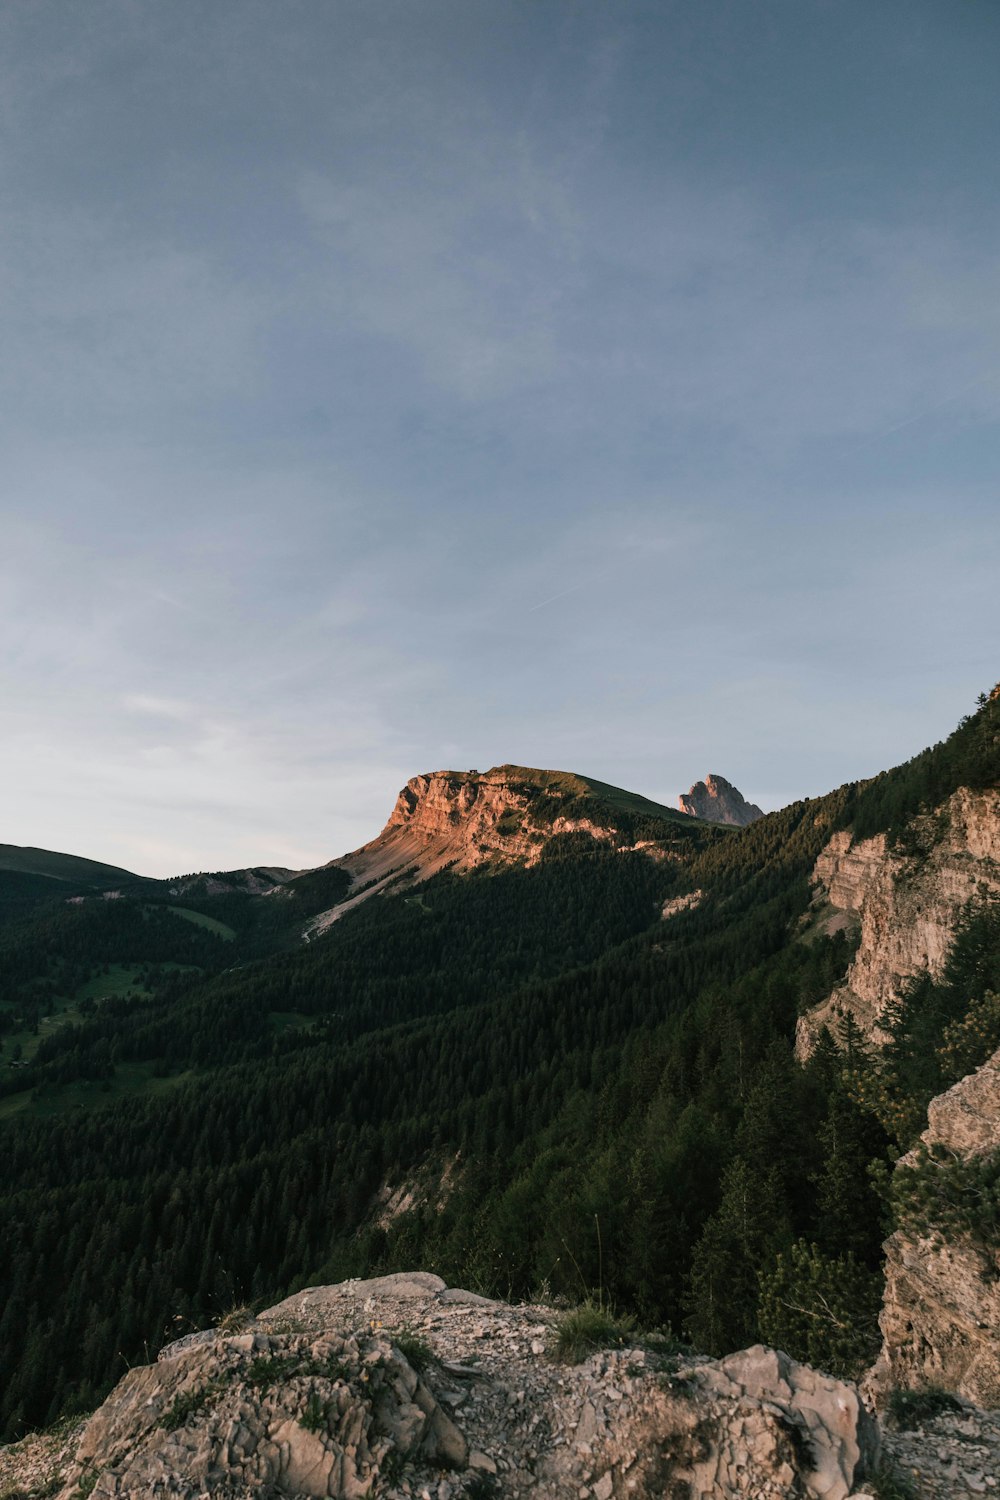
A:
(941, 1312)
(904, 901)
(400, 1387)
(716, 800)
(504, 816)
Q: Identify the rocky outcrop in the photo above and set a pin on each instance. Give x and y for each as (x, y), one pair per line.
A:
(264, 880)
(401, 1387)
(905, 901)
(464, 819)
(952, 1453)
(941, 1311)
(716, 800)
(676, 904)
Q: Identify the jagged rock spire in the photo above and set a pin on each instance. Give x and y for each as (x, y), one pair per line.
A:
(717, 801)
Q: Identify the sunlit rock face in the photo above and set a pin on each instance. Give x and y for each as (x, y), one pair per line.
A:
(461, 820)
(716, 800)
(906, 902)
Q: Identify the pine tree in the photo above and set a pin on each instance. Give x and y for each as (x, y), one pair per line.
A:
(744, 1234)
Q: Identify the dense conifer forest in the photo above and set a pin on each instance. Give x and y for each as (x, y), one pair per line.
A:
(196, 1110)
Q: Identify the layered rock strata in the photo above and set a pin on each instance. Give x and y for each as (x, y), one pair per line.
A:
(905, 902)
(941, 1310)
(321, 1396)
(463, 819)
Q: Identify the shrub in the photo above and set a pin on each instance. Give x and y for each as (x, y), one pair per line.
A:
(314, 1418)
(822, 1310)
(908, 1409)
(890, 1483)
(415, 1349)
(189, 1403)
(588, 1327)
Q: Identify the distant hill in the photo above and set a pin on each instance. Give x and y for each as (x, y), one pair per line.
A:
(68, 867)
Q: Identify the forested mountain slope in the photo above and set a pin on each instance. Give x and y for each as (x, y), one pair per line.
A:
(521, 1076)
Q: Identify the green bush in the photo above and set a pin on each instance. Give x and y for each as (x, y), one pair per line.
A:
(190, 1403)
(944, 1195)
(414, 1349)
(589, 1327)
(821, 1309)
(890, 1483)
(907, 1409)
(314, 1418)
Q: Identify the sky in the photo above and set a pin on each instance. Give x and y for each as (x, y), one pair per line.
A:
(389, 387)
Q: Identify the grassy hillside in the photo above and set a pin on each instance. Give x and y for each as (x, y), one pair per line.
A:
(582, 788)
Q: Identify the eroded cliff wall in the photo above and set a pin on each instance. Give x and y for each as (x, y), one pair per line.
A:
(905, 900)
(459, 819)
(941, 1311)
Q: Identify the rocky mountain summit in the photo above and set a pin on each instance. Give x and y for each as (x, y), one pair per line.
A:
(716, 800)
(462, 820)
(403, 1387)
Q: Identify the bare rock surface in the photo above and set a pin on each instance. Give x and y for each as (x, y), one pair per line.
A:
(950, 1456)
(716, 800)
(941, 1310)
(402, 1387)
(36, 1463)
(464, 819)
(966, 1118)
(905, 901)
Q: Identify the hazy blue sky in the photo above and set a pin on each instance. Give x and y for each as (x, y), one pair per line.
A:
(390, 386)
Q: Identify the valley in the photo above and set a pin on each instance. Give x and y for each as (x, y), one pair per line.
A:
(551, 1026)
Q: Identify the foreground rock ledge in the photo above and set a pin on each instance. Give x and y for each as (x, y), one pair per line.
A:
(320, 1396)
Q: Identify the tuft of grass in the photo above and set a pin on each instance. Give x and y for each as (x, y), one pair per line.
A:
(588, 1327)
(268, 1370)
(907, 1409)
(414, 1348)
(314, 1418)
(889, 1482)
(481, 1487)
(190, 1403)
(235, 1320)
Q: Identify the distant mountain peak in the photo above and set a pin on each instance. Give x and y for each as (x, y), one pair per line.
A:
(716, 800)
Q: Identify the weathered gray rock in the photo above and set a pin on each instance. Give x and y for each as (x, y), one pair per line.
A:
(906, 904)
(716, 800)
(290, 1414)
(767, 1426)
(941, 1310)
(315, 1399)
